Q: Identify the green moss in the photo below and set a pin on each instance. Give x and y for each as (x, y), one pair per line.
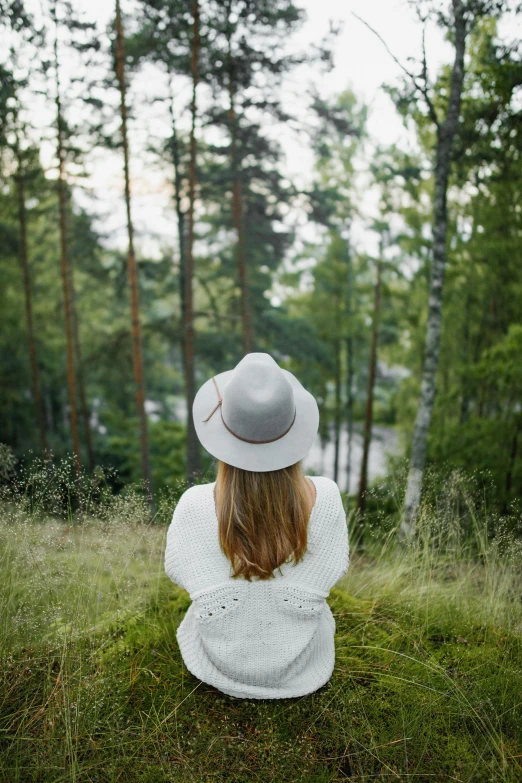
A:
(427, 682)
(119, 704)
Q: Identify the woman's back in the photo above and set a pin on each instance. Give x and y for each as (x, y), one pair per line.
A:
(264, 638)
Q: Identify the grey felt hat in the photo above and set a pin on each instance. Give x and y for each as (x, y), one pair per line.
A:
(266, 420)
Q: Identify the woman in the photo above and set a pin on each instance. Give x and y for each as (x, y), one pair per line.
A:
(259, 549)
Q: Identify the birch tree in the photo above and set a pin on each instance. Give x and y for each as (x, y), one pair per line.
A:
(459, 21)
(446, 129)
(463, 16)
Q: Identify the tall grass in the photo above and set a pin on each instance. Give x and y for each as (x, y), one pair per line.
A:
(71, 551)
(464, 561)
(428, 677)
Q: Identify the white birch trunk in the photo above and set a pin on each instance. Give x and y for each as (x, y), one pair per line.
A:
(445, 135)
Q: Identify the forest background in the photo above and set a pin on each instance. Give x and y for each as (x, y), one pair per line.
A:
(180, 188)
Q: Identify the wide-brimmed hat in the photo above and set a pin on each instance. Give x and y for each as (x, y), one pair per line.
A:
(266, 418)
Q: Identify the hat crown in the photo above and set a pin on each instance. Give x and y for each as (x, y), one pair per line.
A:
(258, 401)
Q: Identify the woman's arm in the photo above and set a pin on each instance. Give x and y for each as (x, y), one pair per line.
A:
(173, 547)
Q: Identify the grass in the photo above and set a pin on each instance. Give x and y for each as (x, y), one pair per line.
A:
(427, 684)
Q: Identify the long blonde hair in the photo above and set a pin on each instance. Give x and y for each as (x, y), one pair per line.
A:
(263, 518)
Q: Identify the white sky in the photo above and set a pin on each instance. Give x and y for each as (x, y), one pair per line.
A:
(361, 62)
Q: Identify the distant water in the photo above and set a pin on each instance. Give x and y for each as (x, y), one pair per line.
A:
(321, 462)
(384, 440)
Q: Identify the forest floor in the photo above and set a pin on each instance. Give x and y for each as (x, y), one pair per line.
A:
(427, 684)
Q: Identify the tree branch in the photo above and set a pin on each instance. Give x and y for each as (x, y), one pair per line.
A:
(422, 89)
(425, 89)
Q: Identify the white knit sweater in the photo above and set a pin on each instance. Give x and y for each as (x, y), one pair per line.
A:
(266, 639)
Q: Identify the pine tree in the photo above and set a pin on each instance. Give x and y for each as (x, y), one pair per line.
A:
(64, 260)
(21, 161)
(349, 361)
(11, 126)
(166, 37)
(80, 39)
(338, 133)
(248, 63)
(368, 418)
(193, 462)
(132, 265)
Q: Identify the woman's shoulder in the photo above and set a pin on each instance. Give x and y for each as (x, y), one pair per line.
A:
(323, 479)
(329, 499)
(325, 482)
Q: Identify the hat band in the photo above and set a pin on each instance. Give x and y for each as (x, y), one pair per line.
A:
(220, 400)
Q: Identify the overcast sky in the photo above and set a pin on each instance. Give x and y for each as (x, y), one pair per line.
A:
(361, 62)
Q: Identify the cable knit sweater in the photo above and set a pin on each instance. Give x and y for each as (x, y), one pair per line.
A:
(267, 639)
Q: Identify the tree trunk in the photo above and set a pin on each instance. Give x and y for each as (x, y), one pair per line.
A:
(368, 419)
(466, 352)
(193, 456)
(132, 267)
(64, 260)
(349, 364)
(512, 460)
(237, 205)
(49, 414)
(181, 220)
(445, 135)
(24, 263)
(337, 408)
(79, 372)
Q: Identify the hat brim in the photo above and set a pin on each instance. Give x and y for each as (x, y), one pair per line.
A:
(259, 457)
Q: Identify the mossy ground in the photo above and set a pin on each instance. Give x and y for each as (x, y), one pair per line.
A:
(424, 688)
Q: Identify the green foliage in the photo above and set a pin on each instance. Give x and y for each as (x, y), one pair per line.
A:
(311, 301)
(167, 450)
(475, 419)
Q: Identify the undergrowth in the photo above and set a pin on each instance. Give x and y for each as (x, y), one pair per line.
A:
(427, 684)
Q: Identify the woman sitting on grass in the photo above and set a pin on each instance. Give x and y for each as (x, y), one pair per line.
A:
(259, 549)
